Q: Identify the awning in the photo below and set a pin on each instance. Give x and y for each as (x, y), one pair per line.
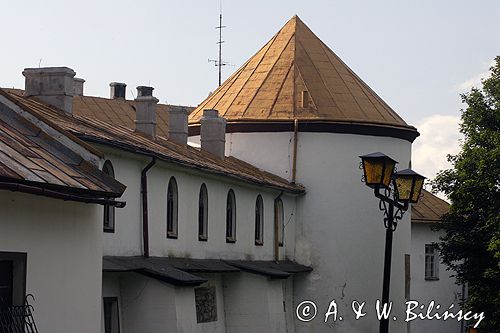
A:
(178, 271)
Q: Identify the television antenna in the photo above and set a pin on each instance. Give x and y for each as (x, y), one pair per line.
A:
(219, 63)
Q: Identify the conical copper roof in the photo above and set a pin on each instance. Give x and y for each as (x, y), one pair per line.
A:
(295, 76)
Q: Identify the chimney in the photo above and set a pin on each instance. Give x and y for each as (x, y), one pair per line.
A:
(178, 125)
(117, 90)
(145, 111)
(213, 133)
(78, 86)
(53, 85)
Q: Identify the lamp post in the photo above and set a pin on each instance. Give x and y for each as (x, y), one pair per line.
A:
(396, 190)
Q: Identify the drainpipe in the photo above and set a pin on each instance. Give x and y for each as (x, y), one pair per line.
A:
(276, 229)
(294, 167)
(144, 193)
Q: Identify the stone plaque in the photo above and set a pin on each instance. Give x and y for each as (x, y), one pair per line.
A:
(206, 304)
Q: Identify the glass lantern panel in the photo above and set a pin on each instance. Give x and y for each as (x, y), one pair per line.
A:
(373, 169)
(389, 169)
(404, 185)
(419, 182)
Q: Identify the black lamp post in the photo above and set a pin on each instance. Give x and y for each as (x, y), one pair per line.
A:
(395, 191)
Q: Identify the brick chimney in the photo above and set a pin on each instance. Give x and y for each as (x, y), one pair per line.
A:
(145, 111)
(213, 133)
(178, 125)
(53, 85)
(117, 90)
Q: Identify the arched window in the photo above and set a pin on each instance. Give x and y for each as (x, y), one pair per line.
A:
(259, 221)
(203, 214)
(172, 208)
(109, 211)
(279, 220)
(231, 217)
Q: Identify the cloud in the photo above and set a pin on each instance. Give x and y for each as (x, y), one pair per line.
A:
(475, 81)
(439, 136)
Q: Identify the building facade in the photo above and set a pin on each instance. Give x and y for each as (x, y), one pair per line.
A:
(262, 209)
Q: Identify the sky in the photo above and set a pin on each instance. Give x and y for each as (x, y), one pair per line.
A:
(417, 55)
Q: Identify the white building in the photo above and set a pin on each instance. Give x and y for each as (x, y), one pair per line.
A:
(208, 242)
(49, 248)
(430, 281)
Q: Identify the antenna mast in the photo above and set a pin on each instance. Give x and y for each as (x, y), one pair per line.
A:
(219, 63)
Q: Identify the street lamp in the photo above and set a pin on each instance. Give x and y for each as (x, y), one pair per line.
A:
(396, 190)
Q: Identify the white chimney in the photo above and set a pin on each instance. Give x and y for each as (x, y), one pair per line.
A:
(117, 90)
(178, 125)
(53, 85)
(213, 133)
(145, 111)
(78, 86)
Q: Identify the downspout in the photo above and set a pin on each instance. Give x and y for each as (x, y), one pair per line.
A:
(276, 229)
(144, 193)
(295, 135)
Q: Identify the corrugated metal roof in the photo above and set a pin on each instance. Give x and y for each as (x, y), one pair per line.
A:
(294, 64)
(428, 209)
(91, 129)
(32, 157)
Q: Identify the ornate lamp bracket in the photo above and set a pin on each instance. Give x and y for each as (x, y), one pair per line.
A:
(389, 204)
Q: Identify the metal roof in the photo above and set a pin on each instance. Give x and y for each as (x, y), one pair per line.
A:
(178, 270)
(428, 209)
(296, 76)
(33, 158)
(106, 133)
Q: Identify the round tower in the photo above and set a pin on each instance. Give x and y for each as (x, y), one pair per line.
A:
(297, 110)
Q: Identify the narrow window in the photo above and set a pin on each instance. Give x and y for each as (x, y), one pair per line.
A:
(203, 214)
(231, 217)
(431, 262)
(259, 221)
(111, 316)
(172, 208)
(109, 211)
(280, 220)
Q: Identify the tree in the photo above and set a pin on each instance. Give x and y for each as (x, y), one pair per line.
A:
(471, 242)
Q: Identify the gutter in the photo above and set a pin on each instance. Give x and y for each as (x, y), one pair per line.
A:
(16, 187)
(144, 194)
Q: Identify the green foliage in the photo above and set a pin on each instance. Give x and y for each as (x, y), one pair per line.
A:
(471, 244)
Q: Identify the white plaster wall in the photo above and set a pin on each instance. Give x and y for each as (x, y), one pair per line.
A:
(147, 305)
(443, 291)
(127, 239)
(253, 303)
(63, 241)
(219, 326)
(339, 229)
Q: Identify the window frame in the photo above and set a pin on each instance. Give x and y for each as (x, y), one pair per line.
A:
(109, 214)
(172, 209)
(259, 221)
(279, 211)
(203, 218)
(431, 263)
(114, 302)
(231, 217)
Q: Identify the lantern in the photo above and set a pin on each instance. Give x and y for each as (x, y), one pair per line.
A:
(409, 185)
(378, 169)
